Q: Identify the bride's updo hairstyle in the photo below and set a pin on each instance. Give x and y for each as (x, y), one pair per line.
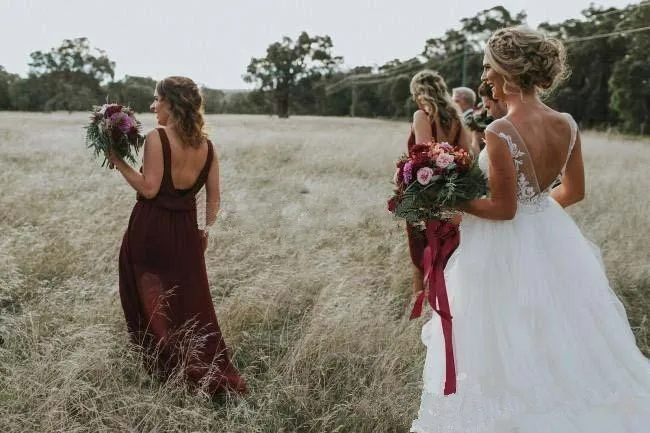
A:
(528, 60)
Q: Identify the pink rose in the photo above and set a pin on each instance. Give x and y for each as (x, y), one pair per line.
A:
(446, 146)
(424, 175)
(444, 159)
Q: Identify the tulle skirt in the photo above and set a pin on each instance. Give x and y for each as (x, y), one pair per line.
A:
(542, 343)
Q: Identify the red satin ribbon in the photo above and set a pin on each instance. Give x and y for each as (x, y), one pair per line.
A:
(442, 241)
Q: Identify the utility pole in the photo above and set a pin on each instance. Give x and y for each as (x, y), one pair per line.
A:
(464, 80)
(353, 104)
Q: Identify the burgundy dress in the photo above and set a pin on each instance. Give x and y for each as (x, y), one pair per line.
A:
(164, 287)
(430, 251)
(418, 238)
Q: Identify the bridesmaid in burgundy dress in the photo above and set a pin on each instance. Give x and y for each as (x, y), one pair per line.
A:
(163, 281)
(436, 119)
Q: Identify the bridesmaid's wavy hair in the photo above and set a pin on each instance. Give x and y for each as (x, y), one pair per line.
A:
(186, 106)
(528, 60)
(430, 90)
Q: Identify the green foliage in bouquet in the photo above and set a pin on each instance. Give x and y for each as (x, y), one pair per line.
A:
(114, 128)
(436, 200)
(432, 179)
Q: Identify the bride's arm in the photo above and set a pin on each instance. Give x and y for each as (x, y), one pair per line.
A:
(502, 201)
(146, 183)
(572, 188)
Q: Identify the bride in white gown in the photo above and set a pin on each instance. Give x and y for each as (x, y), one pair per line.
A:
(542, 344)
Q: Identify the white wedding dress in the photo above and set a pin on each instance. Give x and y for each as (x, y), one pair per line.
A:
(542, 344)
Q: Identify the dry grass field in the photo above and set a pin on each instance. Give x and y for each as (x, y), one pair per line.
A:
(308, 272)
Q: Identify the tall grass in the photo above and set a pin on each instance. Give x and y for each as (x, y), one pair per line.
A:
(308, 273)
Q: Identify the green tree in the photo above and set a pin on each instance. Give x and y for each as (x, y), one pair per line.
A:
(287, 62)
(586, 93)
(30, 94)
(69, 75)
(248, 102)
(630, 79)
(7, 80)
(479, 27)
(137, 92)
(72, 57)
(400, 94)
(458, 55)
(214, 100)
(394, 90)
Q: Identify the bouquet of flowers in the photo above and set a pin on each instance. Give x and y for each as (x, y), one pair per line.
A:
(431, 179)
(114, 128)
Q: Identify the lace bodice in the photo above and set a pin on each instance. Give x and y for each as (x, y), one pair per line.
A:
(529, 194)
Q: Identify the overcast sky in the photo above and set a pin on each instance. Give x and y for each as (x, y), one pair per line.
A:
(213, 41)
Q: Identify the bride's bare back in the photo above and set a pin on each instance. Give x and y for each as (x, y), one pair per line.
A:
(527, 151)
(548, 136)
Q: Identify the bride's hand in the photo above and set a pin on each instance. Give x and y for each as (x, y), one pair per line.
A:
(456, 219)
(458, 211)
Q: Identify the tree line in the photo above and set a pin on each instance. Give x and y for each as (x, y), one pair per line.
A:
(609, 85)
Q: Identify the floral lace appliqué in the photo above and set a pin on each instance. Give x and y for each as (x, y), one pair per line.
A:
(526, 193)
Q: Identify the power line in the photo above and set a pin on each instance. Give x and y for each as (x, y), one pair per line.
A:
(606, 35)
(391, 74)
(408, 64)
(405, 67)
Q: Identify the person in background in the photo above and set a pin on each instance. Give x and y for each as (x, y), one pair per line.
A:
(465, 98)
(490, 109)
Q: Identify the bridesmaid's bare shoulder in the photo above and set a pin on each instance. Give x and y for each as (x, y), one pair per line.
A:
(420, 116)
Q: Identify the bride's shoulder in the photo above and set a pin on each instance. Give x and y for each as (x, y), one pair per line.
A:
(558, 116)
(499, 125)
(560, 121)
(571, 120)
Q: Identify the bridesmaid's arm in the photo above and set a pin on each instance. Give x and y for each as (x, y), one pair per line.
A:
(212, 192)
(467, 142)
(417, 242)
(471, 142)
(422, 127)
(148, 182)
(502, 202)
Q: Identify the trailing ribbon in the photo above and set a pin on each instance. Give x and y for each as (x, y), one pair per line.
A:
(442, 241)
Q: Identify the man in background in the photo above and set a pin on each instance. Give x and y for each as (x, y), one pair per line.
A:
(465, 98)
